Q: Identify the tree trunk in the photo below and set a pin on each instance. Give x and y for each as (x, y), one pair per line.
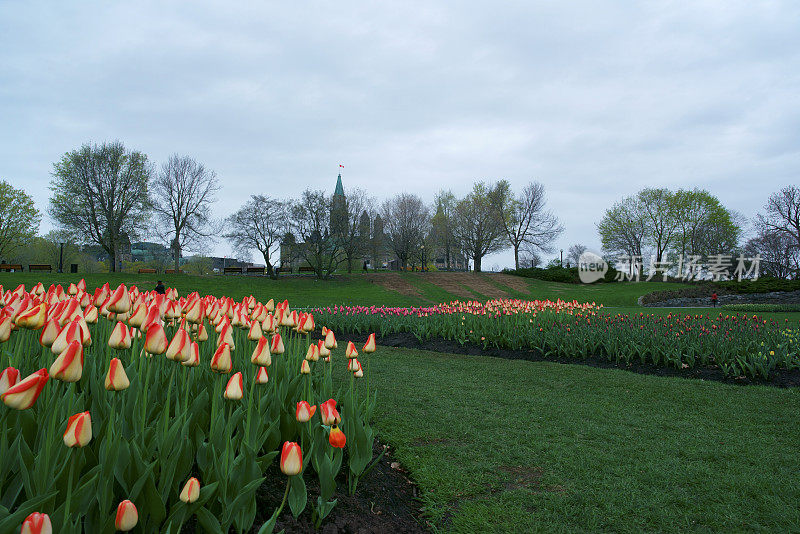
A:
(476, 261)
(516, 257)
(112, 254)
(177, 257)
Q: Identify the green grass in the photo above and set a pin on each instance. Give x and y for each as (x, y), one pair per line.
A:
(499, 445)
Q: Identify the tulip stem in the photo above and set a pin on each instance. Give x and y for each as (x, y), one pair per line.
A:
(69, 485)
(283, 501)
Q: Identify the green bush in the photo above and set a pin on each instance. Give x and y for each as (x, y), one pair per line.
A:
(558, 274)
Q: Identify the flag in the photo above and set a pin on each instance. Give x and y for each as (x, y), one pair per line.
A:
(341, 166)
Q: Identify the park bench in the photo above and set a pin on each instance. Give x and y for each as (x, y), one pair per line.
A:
(255, 270)
(40, 267)
(16, 267)
(232, 270)
(306, 269)
(173, 271)
(147, 271)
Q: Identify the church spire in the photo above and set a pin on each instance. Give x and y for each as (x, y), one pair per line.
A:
(339, 191)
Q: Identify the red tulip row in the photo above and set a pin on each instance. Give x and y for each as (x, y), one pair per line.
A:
(141, 431)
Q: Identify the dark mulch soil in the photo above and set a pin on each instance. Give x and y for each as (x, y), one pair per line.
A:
(780, 378)
(385, 501)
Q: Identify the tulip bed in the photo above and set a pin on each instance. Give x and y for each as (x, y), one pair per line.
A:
(126, 409)
(738, 345)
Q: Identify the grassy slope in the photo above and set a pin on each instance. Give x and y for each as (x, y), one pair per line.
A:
(613, 450)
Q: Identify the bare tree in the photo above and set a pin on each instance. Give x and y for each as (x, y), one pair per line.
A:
(525, 220)
(780, 256)
(349, 226)
(377, 244)
(783, 214)
(406, 221)
(260, 224)
(479, 226)
(183, 191)
(574, 254)
(100, 195)
(309, 220)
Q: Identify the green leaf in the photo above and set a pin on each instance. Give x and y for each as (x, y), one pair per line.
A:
(297, 495)
(208, 521)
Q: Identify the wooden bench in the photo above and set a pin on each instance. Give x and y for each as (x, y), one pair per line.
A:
(147, 271)
(16, 267)
(173, 271)
(255, 270)
(306, 269)
(232, 270)
(40, 267)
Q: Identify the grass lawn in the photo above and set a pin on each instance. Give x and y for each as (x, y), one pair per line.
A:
(499, 445)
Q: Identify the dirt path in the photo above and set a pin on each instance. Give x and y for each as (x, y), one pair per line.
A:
(461, 283)
(393, 282)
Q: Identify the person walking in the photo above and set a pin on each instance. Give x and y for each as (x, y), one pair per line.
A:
(714, 299)
(160, 288)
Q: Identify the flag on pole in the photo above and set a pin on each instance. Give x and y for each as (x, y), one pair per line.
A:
(341, 166)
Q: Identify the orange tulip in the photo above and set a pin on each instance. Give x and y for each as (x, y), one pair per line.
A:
(24, 393)
(353, 365)
(323, 350)
(291, 459)
(351, 351)
(69, 364)
(330, 340)
(5, 327)
(120, 337)
(195, 311)
(37, 523)
(191, 491)
(261, 355)
(337, 438)
(202, 333)
(305, 369)
(90, 315)
(312, 354)
(369, 346)
(235, 388)
(8, 378)
(304, 412)
(49, 332)
(71, 332)
(33, 318)
(254, 334)
(221, 361)
(119, 301)
(155, 341)
(329, 414)
(79, 430)
(138, 315)
(116, 379)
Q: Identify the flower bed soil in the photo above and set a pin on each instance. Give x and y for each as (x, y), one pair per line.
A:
(385, 501)
(780, 378)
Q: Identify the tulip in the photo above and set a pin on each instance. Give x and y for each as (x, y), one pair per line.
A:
(369, 346)
(119, 301)
(194, 360)
(291, 459)
(277, 344)
(329, 414)
(261, 355)
(270, 305)
(71, 332)
(221, 361)
(180, 349)
(255, 332)
(235, 388)
(120, 337)
(86, 336)
(305, 369)
(155, 341)
(261, 376)
(312, 354)
(116, 379)
(195, 311)
(8, 378)
(323, 350)
(33, 318)
(37, 523)
(138, 315)
(90, 315)
(304, 412)
(49, 333)
(24, 393)
(5, 328)
(351, 351)
(72, 289)
(358, 372)
(337, 438)
(202, 333)
(353, 365)
(69, 364)
(191, 491)
(79, 430)
(330, 340)
(127, 516)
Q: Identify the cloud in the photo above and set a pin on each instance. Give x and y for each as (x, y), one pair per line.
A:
(595, 100)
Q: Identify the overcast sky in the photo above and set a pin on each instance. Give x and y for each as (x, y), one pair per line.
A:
(596, 100)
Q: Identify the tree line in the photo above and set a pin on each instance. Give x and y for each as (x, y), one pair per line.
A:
(106, 195)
